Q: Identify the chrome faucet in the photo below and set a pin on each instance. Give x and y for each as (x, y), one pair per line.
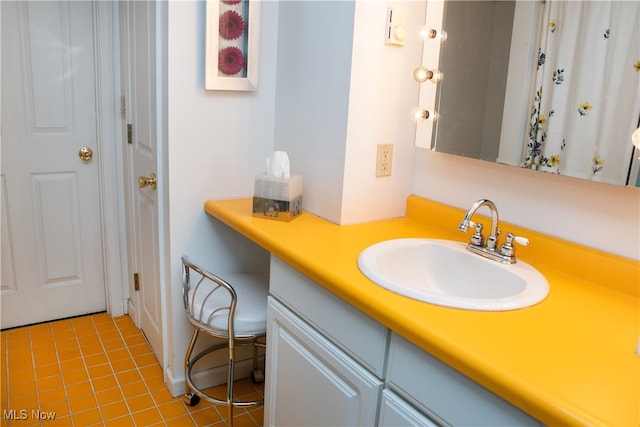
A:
(495, 231)
(477, 245)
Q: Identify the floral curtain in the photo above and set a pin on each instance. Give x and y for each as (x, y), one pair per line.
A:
(587, 93)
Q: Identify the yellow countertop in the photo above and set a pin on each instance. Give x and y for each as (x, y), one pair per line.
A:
(569, 360)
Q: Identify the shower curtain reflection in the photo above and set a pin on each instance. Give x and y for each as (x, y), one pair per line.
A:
(587, 84)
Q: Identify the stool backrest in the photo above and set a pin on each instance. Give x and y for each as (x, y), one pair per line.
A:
(208, 300)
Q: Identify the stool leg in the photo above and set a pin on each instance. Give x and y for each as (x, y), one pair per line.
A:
(230, 376)
(257, 375)
(230, 415)
(191, 399)
(255, 354)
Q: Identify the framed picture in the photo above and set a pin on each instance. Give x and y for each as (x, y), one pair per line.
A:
(232, 35)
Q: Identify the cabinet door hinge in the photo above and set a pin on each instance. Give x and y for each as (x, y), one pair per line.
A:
(129, 133)
(136, 282)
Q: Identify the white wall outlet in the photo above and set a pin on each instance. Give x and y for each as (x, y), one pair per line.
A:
(384, 160)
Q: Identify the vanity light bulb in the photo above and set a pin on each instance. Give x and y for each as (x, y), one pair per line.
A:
(400, 32)
(420, 114)
(635, 138)
(426, 33)
(421, 74)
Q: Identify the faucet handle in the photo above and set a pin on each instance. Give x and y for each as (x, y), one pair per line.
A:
(508, 248)
(477, 239)
(520, 240)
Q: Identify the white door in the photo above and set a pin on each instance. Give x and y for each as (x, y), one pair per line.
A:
(52, 260)
(139, 81)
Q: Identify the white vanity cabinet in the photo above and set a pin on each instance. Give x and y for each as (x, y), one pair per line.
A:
(355, 333)
(328, 364)
(311, 381)
(396, 412)
(321, 355)
(444, 394)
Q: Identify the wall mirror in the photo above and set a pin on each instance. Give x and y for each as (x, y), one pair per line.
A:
(549, 85)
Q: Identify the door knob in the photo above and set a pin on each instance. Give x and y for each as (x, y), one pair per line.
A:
(85, 154)
(144, 181)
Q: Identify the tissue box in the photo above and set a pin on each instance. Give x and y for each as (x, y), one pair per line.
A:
(277, 198)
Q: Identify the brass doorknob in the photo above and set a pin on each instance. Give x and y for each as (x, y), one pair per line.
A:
(85, 154)
(144, 181)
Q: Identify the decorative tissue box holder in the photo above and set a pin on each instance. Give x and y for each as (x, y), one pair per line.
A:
(277, 198)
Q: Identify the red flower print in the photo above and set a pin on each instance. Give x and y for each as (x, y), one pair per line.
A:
(230, 60)
(231, 25)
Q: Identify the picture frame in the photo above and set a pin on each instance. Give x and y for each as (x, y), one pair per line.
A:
(232, 38)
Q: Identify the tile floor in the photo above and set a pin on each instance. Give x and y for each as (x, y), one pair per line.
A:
(96, 371)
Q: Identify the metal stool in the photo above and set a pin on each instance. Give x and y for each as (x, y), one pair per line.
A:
(233, 310)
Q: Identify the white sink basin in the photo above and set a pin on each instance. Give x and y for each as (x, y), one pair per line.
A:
(443, 272)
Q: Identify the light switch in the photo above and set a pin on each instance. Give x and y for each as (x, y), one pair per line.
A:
(396, 27)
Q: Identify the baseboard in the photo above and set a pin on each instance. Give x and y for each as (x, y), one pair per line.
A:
(133, 314)
(207, 377)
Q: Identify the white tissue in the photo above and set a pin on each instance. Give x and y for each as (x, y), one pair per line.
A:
(278, 165)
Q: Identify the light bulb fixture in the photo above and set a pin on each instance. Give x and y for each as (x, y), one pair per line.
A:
(421, 74)
(400, 32)
(426, 33)
(420, 114)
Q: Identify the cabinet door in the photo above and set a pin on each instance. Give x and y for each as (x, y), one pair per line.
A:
(312, 382)
(396, 412)
(363, 338)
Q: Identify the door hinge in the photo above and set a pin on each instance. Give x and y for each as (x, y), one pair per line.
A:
(129, 133)
(123, 107)
(136, 282)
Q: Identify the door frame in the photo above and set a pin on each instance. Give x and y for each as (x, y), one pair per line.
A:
(110, 160)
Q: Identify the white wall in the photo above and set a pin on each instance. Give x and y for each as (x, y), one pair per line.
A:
(597, 215)
(314, 58)
(217, 143)
(382, 95)
(340, 93)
